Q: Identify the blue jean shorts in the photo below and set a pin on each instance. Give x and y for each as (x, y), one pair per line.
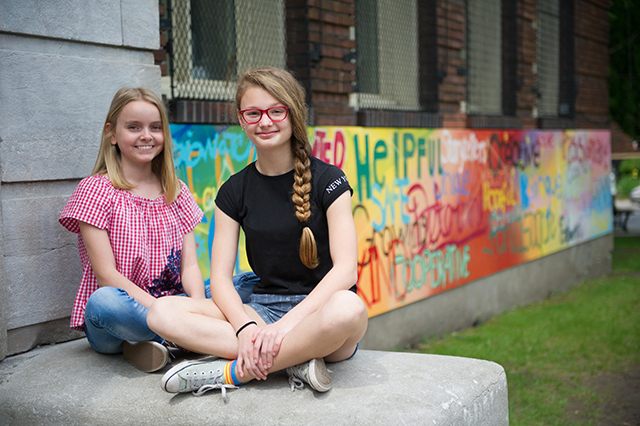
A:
(272, 307)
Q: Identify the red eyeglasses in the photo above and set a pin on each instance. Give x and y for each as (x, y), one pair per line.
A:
(254, 115)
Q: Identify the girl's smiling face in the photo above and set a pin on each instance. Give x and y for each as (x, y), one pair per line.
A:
(265, 134)
(138, 133)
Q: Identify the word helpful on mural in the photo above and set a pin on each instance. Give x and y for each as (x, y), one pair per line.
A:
(434, 208)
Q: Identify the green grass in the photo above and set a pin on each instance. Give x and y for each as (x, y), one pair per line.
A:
(549, 349)
(626, 256)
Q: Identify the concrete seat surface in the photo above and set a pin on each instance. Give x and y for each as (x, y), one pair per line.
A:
(71, 384)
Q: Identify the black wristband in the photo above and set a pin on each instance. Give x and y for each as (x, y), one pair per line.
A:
(245, 326)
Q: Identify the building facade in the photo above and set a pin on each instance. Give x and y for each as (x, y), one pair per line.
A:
(436, 64)
(522, 64)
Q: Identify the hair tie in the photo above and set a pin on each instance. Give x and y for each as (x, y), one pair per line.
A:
(245, 326)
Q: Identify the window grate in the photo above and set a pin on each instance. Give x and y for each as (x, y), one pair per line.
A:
(548, 52)
(387, 60)
(214, 41)
(485, 71)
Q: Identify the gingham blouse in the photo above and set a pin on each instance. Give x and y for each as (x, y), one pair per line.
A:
(146, 236)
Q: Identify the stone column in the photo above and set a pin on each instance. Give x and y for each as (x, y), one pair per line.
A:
(60, 64)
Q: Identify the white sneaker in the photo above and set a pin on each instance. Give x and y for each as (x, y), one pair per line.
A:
(313, 372)
(197, 377)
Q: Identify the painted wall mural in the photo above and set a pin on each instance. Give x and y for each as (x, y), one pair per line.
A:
(434, 208)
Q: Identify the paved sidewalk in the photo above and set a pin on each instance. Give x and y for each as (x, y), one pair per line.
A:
(70, 384)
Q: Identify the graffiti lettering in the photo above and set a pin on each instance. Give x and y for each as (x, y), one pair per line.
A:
(436, 268)
(190, 153)
(569, 233)
(512, 153)
(497, 199)
(546, 139)
(388, 259)
(410, 154)
(329, 151)
(454, 184)
(409, 150)
(362, 168)
(392, 199)
(581, 148)
(461, 151)
(538, 187)
(521, 232)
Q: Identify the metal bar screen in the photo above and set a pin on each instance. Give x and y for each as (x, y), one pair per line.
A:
(214, 41)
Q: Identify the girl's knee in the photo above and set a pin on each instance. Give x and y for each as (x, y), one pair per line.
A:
(359, 311)
(347, 309)
(155, 314)
(105, 300)
(162, 310)
(352, 302)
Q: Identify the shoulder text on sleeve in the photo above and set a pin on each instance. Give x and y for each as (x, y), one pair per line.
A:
(336, 183)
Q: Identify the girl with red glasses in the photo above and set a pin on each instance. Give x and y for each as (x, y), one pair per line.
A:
(295, 211)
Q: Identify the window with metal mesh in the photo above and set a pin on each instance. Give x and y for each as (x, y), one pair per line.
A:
(548, 52)
(387, 55)
(214, 41)
(484, 57)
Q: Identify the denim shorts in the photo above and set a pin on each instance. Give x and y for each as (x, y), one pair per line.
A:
(272, 307)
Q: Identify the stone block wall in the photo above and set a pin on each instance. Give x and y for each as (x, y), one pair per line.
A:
(60, 64)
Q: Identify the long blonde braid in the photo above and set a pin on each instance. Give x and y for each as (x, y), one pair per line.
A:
(300, 197)
(284, 87)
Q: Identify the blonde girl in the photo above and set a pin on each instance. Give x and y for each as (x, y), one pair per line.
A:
(135, 220)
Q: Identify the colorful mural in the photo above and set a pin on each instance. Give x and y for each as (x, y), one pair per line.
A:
(434, 208)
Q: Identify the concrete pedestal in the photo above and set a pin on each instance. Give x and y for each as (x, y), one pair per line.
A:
(71, 384)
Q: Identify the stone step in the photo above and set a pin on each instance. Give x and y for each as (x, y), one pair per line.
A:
(71, 384)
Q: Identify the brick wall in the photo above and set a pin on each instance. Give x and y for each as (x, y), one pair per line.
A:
(331, 75)
(319, 45)
(622, 145)
(299, 49)
(452, 43)
(592, 63)
(526, 96)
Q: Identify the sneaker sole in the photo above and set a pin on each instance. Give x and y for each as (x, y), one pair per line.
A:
(319, 377)
(146, 356)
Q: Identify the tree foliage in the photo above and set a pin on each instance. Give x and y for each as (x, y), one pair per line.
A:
(629, 176)
(624, 69)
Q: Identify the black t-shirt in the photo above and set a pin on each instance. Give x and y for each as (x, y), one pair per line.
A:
(263, 207)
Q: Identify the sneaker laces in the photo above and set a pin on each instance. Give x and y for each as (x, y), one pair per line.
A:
(170, 345)
(295, 383)
(217, 383)
(297, 375)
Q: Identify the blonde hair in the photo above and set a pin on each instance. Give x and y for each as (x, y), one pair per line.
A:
(109, 157)
(285, 88)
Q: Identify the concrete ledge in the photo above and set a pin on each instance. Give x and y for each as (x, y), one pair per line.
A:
(70, 384)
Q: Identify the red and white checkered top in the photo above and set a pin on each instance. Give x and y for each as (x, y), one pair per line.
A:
(146, 236)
